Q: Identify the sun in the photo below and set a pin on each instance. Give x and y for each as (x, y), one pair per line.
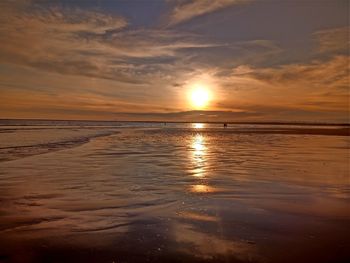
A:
(199, 97)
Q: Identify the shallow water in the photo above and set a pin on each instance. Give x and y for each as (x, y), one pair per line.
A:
(174, 193)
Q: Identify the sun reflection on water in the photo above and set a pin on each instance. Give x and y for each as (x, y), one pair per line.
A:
(199, 160)
(198, 145)
(202, 188)
(198, 125)
(198, 155)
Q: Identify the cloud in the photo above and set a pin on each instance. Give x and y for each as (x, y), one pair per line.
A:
(320, 86)
(187, 10)
(55, 19)
(317, 75)
(187, 116)
(49, 38)
(87, 42)
(154, 43)
(332, 40)
(76, 20)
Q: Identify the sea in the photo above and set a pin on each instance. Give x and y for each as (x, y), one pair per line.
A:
(98, 191)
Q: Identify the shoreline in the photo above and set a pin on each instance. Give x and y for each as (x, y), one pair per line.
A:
(12, 153)
(16, 152)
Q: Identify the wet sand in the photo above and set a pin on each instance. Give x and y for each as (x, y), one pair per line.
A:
(305, 131)
(180, 194)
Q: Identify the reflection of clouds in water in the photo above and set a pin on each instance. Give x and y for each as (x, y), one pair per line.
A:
(198, 155)
(193, 215)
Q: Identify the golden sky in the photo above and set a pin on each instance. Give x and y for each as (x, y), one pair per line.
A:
(217, 60)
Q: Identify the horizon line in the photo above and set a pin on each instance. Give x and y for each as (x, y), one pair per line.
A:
(207, 122)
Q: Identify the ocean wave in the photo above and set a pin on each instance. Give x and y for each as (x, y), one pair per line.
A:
(14, 150)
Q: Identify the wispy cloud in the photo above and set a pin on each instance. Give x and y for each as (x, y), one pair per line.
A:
(86, 42)
(331, 40)
(315, 86)
(186, 10)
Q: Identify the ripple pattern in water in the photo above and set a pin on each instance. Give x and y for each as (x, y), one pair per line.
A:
(180, 194)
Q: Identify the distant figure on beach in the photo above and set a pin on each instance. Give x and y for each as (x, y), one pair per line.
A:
(225, 125)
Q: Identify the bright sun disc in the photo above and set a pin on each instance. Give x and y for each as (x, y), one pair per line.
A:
(200, 97)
